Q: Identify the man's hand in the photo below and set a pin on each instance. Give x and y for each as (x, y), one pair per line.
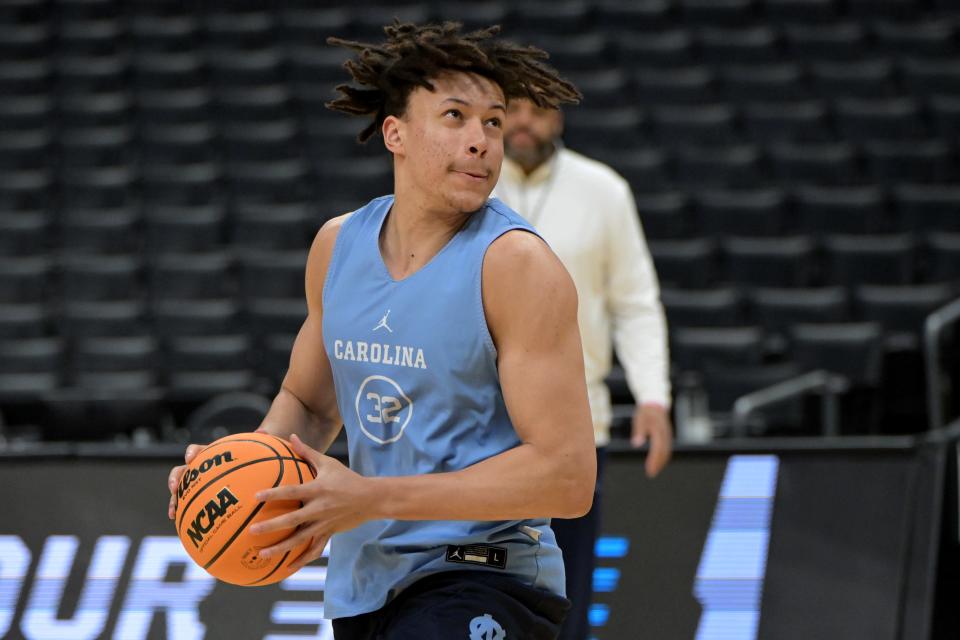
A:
(173, 480)
(652, 422)
(338, 499)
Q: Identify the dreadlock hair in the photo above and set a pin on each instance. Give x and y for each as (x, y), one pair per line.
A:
(413, 54)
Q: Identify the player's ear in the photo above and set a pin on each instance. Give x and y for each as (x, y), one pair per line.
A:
(392, 131)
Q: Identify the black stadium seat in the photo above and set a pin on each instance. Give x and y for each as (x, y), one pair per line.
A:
(852, 349)
(272, 226)
(927, 77)
(268, 316)
(945, 111)
(688, 263)
(764, 83)
(794, 12)
(927, 38)
(866, 79)
(196, 317)
(112, 353)
(571, 53)
(801, 121)
(617, 128)
(603, 89)
(112, 109)
(930, 207)
(771, 262)
(565, 17)
(738, 45)
(819, 163)
(275, 358)
(865, 259)
(916, 161)
(101, 277)
(667, 47)
(175, 229)
(103, 318)
(742, 212)
(900, 9)
(903, 309)
(25, 279)
(710, 124)
(725, 13)
(645, 168)
(657, 85)
(664, 214)
(716, 307)
(842, 209)
(836, 41)
(24, 233)
(862, 119)
(101, 231)
(21, 321)
(734, 166)
(272, 274)
(650, 17)
(943, 257)
(201, 367)
(31, 355)
(777, 309)
(697, 348)
(192, 276)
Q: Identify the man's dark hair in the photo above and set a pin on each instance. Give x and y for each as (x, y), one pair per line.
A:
(413, 54)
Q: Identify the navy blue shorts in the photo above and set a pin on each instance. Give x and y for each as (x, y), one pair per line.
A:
(473, 605)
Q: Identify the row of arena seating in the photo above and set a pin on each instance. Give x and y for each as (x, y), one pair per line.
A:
(690, 263)
(163, 169)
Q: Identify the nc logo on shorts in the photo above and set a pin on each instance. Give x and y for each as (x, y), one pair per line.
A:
(383, 409)
(486, 628)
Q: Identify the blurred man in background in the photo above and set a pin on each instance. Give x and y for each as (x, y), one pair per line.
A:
(587, 214)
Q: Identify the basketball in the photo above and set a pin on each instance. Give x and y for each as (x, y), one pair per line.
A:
(216, 507)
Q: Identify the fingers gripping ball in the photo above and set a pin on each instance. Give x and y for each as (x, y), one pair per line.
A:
(216, 507)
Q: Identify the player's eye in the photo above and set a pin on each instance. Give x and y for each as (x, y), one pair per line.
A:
(496, 122)
(454, 112)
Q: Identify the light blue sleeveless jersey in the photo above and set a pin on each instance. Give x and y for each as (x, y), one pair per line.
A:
(416, 379)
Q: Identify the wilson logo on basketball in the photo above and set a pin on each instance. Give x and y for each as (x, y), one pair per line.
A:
(190, 475)
(208, 515)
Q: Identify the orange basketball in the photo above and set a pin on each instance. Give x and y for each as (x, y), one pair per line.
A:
(216, 506)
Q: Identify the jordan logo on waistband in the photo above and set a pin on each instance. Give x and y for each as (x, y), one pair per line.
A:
(482, 554)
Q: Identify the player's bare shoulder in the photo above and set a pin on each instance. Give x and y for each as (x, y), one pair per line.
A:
(318, 261)
(523, 276)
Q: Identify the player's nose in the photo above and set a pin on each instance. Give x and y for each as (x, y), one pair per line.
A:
(476, 138)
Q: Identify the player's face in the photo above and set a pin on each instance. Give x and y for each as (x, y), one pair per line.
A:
(530, 131)
(451, 146)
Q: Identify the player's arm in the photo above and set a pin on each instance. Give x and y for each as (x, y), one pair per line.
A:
(307, 403)
(531, 308)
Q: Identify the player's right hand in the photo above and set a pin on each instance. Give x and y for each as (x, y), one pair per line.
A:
(173, 480)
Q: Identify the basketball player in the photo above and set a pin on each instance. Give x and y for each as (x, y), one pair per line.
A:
(587, 214)
(442, 333)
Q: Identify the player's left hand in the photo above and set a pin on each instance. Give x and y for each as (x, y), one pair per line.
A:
(336, 500)
(652, 422)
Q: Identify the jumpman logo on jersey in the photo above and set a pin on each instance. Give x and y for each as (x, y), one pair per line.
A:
(383, 322)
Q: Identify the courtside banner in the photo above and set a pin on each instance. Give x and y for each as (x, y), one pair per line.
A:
(724, 544)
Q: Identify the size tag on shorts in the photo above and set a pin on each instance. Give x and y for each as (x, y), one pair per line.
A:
(481, 554)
